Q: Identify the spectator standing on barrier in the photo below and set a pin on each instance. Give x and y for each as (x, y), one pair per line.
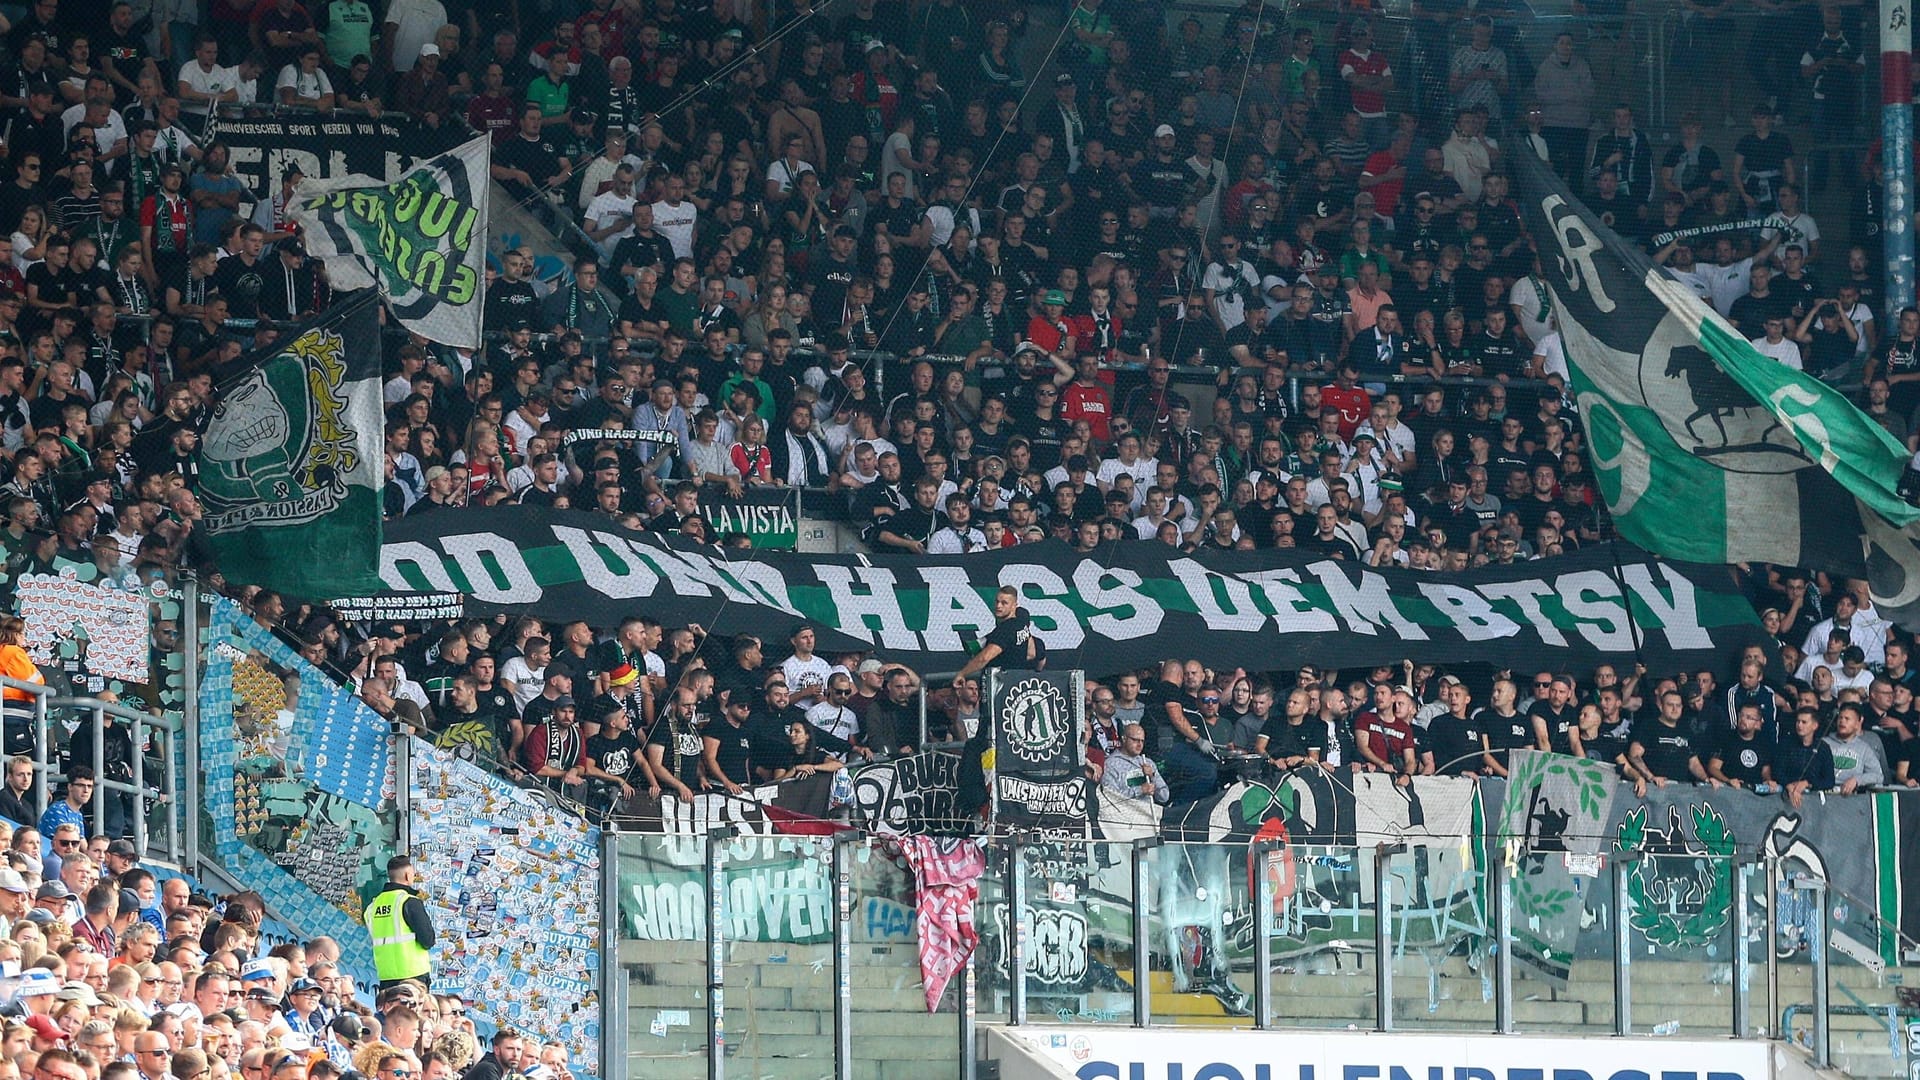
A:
(401, 928)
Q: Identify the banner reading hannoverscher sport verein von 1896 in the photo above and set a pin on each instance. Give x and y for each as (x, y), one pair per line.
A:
(1123, 607)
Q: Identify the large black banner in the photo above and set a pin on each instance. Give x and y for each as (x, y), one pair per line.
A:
(1121, 607)
(325, 147)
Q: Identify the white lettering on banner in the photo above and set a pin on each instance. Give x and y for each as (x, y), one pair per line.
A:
(701, 576)
(668, 911)
(951, 604)
(1680, 616)
(1593, 597)
(1039, 589)
(512, 584)
(876, 602)
(1056, 944)
(411, 563)
(1366, 606)
(1293, 613)
(1526, 595)
(1200, 585)
(1092, 1053)
(1577, 245)
(1809, 426)
(1142, 616)
(1469, 612)
(765, 582)
(608, 563)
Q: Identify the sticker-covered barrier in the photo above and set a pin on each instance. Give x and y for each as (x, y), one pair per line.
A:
(298, 783)
(513, 883)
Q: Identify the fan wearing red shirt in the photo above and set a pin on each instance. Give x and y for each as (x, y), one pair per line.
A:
(1086, 399)
(1049, 329)
(1384, 733)
(1098, 330)
(1385, 173)
(1369, 78)
(1345, 396)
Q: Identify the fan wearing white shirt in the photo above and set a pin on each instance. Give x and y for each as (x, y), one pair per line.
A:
(675, 218)
(959, 536)
(1776, 345)
(609, 217)
(1130, 462)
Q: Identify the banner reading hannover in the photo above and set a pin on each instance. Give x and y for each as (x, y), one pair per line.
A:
(1130, 606)
(290, 466)
(421, 239)
(1705, 449)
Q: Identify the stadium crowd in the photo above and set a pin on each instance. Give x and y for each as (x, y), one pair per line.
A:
(982, 274)
(116, 973)
(985, 275)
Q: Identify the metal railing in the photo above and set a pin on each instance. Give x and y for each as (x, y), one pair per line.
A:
(34, 715)
(132, 794)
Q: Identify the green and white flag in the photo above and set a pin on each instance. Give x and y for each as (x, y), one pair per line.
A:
(1705, 449)
(292, 461)
(422, 239)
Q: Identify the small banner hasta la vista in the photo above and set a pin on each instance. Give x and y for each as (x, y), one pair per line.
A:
(290, 466)
(421, 239)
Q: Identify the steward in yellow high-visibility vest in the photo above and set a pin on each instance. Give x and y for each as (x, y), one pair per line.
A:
(401, 929)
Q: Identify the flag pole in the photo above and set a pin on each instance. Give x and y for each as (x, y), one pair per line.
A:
(1896, 154)
(1626, 601)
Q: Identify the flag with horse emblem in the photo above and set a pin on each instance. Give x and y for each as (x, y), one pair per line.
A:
(291, 462)
(1705, 449)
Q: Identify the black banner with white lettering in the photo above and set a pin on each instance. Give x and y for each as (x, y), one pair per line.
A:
(1121, 607)
(325, 147)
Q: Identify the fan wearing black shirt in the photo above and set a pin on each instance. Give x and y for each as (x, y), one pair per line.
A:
(240, 276)
(727, 747)
(1294, 739)
(529, 161)
(674, 749)
(1661, 751)
(616, 761)
(1556, 723)
(910, 529)
(1012, 642)
(1451, 744)
(1503, 728)
(1742, 758)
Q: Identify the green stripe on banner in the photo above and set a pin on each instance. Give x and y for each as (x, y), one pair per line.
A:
(1886, 849)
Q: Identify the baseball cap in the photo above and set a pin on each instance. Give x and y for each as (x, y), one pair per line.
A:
(258, 969)
(38, 982)
(1450, 680)
(564, 701)
(349, 1027)
(1163, 129)
(262, 993)
(129, 902)
(429, 49)
(1063, 79)
(302, 985)
(122, 846)
(874, 45)
(53, 890)
(868, 667)
(80, 992)
(45, 1028)
(11, 881)
(435, 472)
(1054, 296)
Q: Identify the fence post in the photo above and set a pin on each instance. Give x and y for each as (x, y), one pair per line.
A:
(1622, 946)
(1742, 961)
(1016, 932)
(716, 954)
(188, 793)
(1773, 956)
(613, 989)
(1503, 941)
(1383, 935)
(966, 1004)
(1817, 934)
(1262, 934)
(1142, 952)
(402, 786)
(98, 718)
(843, 846)
(137, 736)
